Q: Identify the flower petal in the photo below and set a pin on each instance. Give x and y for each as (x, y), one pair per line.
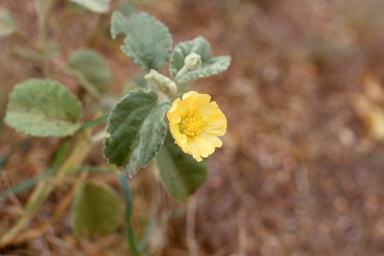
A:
(179, 110)
(192, 94)
(200, 147)
(215, 124)
(201, 105)
(215, 141)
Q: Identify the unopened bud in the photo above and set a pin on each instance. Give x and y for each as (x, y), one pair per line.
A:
(172, 88)
(192, 61)
(163, 83)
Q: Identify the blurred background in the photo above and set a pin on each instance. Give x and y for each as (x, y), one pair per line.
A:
(301, 170)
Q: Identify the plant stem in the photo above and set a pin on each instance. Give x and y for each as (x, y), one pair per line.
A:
(41, 10)
(191, 218)
(33, 234)
(27, 39)
(181, 72)
(44, 188)
(44, 10)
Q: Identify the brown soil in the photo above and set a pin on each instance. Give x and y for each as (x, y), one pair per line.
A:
(302, 164)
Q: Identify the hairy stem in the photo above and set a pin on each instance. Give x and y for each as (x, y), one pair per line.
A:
(181, 72)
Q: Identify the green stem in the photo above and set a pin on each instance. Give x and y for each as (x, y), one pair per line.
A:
(181, 72)
(127, 193)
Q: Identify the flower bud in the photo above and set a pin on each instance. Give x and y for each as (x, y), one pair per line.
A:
(192, 61)
(172, 88)
(163, 83)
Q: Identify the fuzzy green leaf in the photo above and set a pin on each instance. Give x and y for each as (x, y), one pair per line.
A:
(136, 130)
(96, 209)
(98, 6)
(43, 108)
(7, 23)
(91, 69)
(210, 65)
(148, 41)
(180, 173)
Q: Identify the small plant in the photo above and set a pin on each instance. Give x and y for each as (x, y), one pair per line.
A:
(149, 123)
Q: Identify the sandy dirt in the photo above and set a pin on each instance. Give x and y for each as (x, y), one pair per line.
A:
(301, 169)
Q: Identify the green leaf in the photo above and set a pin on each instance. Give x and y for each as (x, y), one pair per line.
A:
(96, 209)
(126, 7)
(43, 108)
(136, 130)
(180, 173)
(94, 122)
(148, 41)
(7, 23)
(91, 69)
(210, 65)
(98, 6)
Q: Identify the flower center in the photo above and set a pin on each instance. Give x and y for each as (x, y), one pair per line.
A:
(192, 125)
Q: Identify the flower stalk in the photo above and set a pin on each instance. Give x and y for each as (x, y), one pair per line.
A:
(191, 62)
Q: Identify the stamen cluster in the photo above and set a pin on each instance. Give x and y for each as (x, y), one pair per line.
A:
(192, 125)
(196, 123)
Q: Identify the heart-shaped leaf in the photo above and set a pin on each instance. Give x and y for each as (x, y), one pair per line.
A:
(43, 108)
(136, 130)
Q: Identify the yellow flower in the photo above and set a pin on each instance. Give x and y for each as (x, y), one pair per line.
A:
(196, 124)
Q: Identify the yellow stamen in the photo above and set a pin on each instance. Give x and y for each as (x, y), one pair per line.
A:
(192, 125)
